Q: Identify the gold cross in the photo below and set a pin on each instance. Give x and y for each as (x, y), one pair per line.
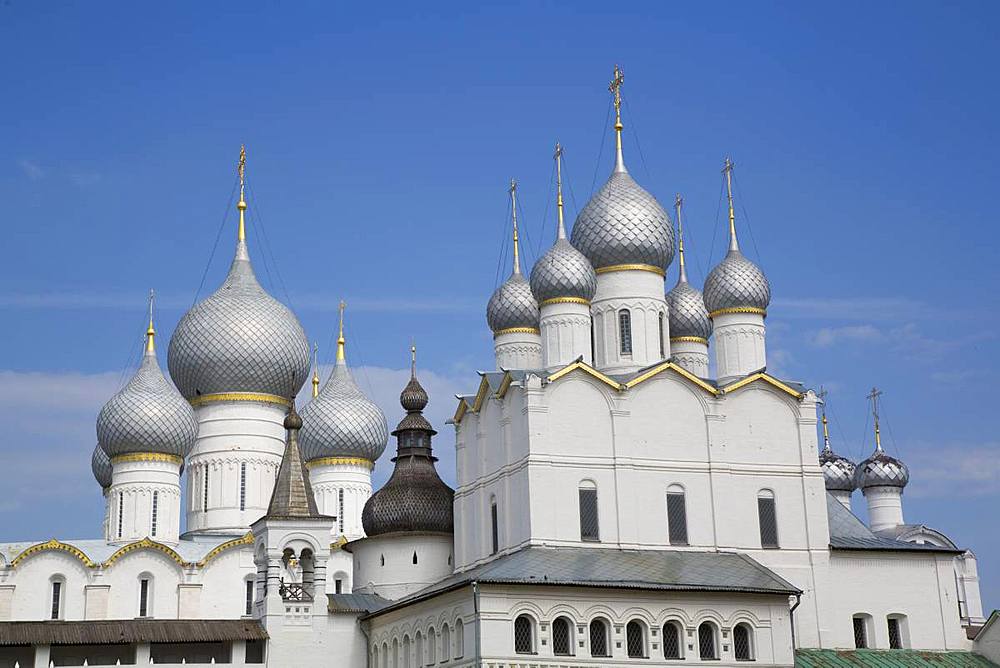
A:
(241, 168)
(616, 85)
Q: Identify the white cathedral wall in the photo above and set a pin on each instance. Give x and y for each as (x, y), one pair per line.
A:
(642, 293)
(398, 564)
(399, 628)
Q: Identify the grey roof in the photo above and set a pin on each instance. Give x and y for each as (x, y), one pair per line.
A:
(292, 495)
(512, 305)
(355, 603)
(239, 339)
(658, 570)
(838, 471)
(342, 422)
(881, 470)
(563, 271)
(129, 631)
(100, 464)
(147, 415)
(736, 282)
(905, 531)
(847, 532)
(624, 224)
(686, 309)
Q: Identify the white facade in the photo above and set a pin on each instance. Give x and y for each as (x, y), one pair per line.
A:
(739, 344)
(635, 295)
(566, 333)
(518, 348)
(144, 498)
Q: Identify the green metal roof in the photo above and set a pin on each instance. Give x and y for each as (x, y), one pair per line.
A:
(887, 658)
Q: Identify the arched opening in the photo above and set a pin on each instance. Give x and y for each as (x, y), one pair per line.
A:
(899, 634)
(677, 531)
(145, 595)
(524, 635)
(673, 646)
(708, 646)
(590, 529)
(625, 331)
(406, 651)
(494, 526)
(385, 655)
(459, 639)
(418, 646)
(395, 653)
(663, 351)
(445, 643)
(862, 630)
(562, 637)
(743, 646)
(431, 646)
(768, 519)
(250, 589)
(57, 596)
(635, 639)
(599, 645)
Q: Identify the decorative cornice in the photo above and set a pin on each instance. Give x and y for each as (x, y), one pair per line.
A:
(631, 267)
(341, 461)
(771, 380)
(564, 300)
(146, 457)
(246, 539)
(258, 397)
(688, 339)
(144, 544)
(53, 544)
(516, 330)
(738, 309)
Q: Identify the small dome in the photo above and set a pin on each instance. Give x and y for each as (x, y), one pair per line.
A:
(838, 472)
(147, 415)
(512, 305)
(413, 398)
(624, 224)
(563, 272)
(100, 464)
(342, 422)
(881, 470)
(239, 339)
(686, 309)
(736, 283)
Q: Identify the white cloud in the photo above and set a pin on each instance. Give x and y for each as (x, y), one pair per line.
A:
(829, 336)
(954, 470)
(31, 169)
(871, 309)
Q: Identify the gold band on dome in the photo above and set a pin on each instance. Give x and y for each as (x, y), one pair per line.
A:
(688, 339)
(631, 267)
(341, 461)
(147, 457)
(565, 300)
(738, 309)
(516, 330)
(203, 399)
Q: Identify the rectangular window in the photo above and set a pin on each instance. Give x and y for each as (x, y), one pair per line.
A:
(860, 633)
(340, 510)
(494, 528)
(250, 587)
(56, 599)
(243, 486)
(768, 522)
(625, 332)
(152, 529)
(895, 638)
(663, 352)
(677, 518)
(144, 597)
(121, 512)
(338, 586)
(589, 525)
(204, 493)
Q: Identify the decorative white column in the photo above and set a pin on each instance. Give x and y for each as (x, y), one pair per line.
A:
(885, 507)
(565, 333)
(518, 348)
(691, 354)
(739, 344)
(144, 498)
(341, 486)
(638, 295)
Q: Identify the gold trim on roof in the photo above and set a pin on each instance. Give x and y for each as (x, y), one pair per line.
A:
(504, 385)
(53, 544)
(463, 407)
(738, 309)
(767, 379)
(147, 457)
(586, 368)
(679, 370)
(260, 397)
(688, 339)
(516, 330)
(484, 385)
(631, 267)
(564, 300)
(340, 461)
(246, 539)
(144, 544)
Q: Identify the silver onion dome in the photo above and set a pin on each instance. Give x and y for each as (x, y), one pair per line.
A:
(881, 470)
(838, 472)
(686, 309)
(147, 415)
(239, 339)
(100, 464)
(342, 422)
(563, 272)
(512, 305)
(736, 283)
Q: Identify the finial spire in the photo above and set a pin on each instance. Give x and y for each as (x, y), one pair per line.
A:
(826, 430)
(616, 88)
(727, 169)
(513, 209)
(150, 331)
(678, 203)
(340, 336)
(561, 233)
(413, 360)
(315, 379)
(241, 169)
(874, 397)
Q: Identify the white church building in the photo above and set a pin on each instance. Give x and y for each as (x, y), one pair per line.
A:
(633, 488)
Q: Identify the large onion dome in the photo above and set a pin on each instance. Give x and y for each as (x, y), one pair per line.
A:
(414, 499)
(838, 472)
(341, 421)
(239, 339)
(100, 464)
(148, 415)
(736, 285)
(881, 470)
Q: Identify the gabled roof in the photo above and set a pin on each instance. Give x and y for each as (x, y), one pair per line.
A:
(847, 532)
(653, 570)
(796, 390)
(887, 658)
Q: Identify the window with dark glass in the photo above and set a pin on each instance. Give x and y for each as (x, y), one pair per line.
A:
(589, 526)
(338, 586)
(249, 599)
(768, 521)
(599, 638)
(625, 331)
(121, 512)
(860, 633)
(635, 641)
(742, 643)
(523, 635)
(561, 640)
(204, 493)
(895, 637)
(677, 518)
(340, 510)
(152, 528)
(494, 528)
(144, 597)
(706, 641)
(243, 486)
(663, 352)
(671, 641)
(56, 599)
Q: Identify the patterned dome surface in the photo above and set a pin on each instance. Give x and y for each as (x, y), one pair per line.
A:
(100, 464)
(624, 224)
(563, 272)
(838, 472)
(414, 499)
(736, 282)
(239, 339)
(686, 309)
(342, 422)
(512, 305)
(147, 415)
(881, 470)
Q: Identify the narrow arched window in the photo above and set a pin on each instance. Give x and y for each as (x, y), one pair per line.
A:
(340, 510)
(663, 351)
(625, 331)
(524, 635)
(599, 645)
(635, 639)
(249, 597)
(204, 493)
(375, 663)
(768, 518)
(55, 600)
(395, 653)
(677, 530)
(243, 486)
(145, 585)
(672, 641)
(431, 646)
(897, 631)
(743, 642)
(707, 648)
(494, 527)
(406, 651)
(445, 643)
(562, 641)
(589, 523)
(418, 642)
(861, 639)
(385, 655)
(121, 512)
(459, 639)
(152, 527)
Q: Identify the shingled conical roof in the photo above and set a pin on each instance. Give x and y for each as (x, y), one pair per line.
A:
(293, 495)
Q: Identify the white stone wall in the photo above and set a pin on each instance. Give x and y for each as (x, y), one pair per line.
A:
(642, 293)
(355, 480)
(395, 565)
(739, 340)
(691, 356)
(129, 502)
(566, 334)
(518, 350)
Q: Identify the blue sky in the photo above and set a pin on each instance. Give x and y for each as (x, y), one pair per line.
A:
(381, 139)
